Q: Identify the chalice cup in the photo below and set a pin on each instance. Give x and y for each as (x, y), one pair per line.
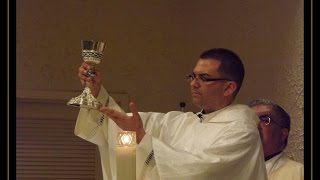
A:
(92, 52)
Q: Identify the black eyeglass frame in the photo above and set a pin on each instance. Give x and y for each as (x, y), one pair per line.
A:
(203, 78)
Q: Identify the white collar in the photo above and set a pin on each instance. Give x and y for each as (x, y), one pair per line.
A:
(273, 163)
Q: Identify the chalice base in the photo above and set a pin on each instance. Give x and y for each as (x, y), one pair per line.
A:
(85, 100)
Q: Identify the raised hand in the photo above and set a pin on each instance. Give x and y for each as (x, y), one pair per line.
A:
(94, 80)
(125, 122)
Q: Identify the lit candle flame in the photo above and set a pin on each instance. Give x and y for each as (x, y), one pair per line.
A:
(126, 138)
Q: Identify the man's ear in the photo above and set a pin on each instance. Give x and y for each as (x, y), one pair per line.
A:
(230, 88)
(285, 134)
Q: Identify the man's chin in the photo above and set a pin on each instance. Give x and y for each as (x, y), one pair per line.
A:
(196, 102)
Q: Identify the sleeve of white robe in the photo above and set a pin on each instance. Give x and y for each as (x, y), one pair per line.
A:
(89, 122)
(93, 126)
(227, 155)
(216, 163)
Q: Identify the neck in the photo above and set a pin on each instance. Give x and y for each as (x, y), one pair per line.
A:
(271, 156)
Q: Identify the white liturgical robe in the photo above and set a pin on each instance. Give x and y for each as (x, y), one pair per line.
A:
(280, 167)
(225, 146)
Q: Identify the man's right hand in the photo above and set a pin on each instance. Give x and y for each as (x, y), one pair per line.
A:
(125, 122)
(95, 81)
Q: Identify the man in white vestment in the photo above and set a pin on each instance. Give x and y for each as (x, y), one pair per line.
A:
(274, 129)
(220, 142)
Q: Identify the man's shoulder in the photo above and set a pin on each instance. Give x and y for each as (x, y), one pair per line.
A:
(289, 169)
(290, 162)
(239, 108)
(239, 113)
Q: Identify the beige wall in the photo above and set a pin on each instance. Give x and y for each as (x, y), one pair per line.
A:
(153, 44)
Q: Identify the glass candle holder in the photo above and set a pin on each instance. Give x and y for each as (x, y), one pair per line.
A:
(126, 155)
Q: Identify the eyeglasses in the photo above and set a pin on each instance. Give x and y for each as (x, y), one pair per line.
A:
(266, 121)
(203, 78)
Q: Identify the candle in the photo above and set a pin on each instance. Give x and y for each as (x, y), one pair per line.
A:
(126, 155)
